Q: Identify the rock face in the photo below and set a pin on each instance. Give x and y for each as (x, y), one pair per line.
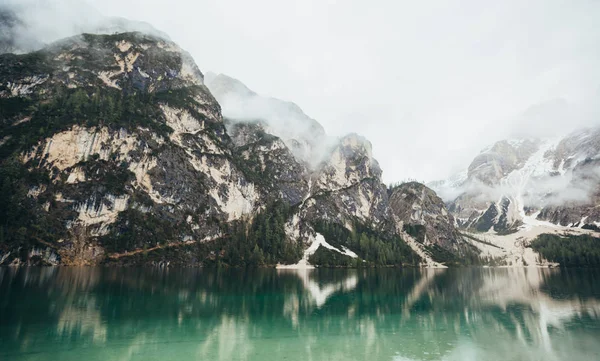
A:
(270, 163)
(350, 179)
(583, 209)
(517, 181)
(423, 215)
(112, 150)
(128, 144)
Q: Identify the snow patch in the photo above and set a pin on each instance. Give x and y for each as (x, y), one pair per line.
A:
(317, 241)
(514, 248)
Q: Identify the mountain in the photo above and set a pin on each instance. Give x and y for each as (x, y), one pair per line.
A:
(515, 181)
(428, 226)
(114, 151)
(344, 171)
(518, 189)
(110, 141)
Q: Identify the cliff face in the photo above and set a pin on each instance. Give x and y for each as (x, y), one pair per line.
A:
(583, 209)
(127, 145)
(423, 216)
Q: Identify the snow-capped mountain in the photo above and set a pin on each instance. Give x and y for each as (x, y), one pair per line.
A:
(556, 180)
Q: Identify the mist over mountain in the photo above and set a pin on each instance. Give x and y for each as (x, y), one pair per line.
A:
(278, 208)
(414, 99)
(29, 25)
(115, 142)
(302, 134)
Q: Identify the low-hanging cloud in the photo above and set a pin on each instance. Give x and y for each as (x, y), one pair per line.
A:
(578, 186)
(29, 25)
(304, 136)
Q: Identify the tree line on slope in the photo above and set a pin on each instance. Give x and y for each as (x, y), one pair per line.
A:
(260, 242)
(376, 248)
(569, 250)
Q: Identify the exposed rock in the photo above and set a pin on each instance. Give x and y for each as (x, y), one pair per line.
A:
(423, 215)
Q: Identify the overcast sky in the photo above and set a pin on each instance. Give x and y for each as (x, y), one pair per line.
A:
(430, 83)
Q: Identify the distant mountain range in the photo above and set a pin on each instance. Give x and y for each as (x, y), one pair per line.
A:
(555, 180)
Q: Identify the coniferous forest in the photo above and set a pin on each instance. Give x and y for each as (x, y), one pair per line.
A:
(582, 250)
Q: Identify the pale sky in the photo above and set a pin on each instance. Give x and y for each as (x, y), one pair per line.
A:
(429, 83)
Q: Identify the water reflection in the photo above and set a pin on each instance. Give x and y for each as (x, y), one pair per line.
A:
(152, 314)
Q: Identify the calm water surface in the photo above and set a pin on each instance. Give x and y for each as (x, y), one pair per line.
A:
(150, 314)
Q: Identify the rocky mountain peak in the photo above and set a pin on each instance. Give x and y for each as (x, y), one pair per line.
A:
(349, 162)
(500, 159)
(221, 85)
(548, 179)
(424, 216)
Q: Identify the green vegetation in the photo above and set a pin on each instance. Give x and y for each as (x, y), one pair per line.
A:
(252, 167)
(417, 231)
(591, 227)
(569, 250)
(261, 242)
(327, 258)
(376, 248)
(112, 177)
(88, 107)
(22, 219)
(135, 229)
(442, 255)
(19, 66)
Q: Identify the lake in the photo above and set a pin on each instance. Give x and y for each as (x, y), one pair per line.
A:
(377, 314)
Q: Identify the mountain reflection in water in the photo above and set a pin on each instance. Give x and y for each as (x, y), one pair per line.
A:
(386, 314)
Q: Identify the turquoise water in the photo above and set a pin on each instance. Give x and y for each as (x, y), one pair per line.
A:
(150, 314)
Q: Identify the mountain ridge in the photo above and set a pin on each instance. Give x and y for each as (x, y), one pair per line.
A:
(116, 149)
(113, 151)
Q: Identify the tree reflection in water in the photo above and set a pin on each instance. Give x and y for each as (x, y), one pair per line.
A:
(374, 314)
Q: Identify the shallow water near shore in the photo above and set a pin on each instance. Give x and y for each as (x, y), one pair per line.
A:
(386, 314)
